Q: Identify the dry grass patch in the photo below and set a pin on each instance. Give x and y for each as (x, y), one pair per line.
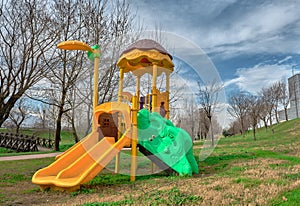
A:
(258, 162)
(291, 149)
(256, 185)
(260, 169)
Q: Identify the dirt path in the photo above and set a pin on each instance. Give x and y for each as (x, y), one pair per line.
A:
(25, 157)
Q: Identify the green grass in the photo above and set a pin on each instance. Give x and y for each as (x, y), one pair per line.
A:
(3, 130)
(159, 197)
(110, 179)
(13, 172)
(12, 178)
(289, 198)
(123, 202)
(231, 160)
(238, 147)
(5, 151)
(247, 182)
(281, 136)
(229, 151)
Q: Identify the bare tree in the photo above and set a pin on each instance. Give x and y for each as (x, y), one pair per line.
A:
(25, 38)
(204, 124)
(189, 116)
(105, 29)
(100, 22)
(191, 112)
(254, 105)
(71, 114)
(263, 115)
(284, 98)
(268, 98)
(271, 97)
(238, 109)
(276, 87)
(65, 67)
(19, 113)
(208, 98)
(84, 94)
(234, 128)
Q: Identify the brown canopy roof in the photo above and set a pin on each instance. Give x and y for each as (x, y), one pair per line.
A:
(147, 44)
(142, 55)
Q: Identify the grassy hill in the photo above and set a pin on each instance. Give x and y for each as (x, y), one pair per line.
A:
(239, 171)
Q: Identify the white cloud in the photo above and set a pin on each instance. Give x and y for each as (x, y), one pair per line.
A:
(268, 19)
(229, 26)
(285, 59)
(260, 30)
(255, 78)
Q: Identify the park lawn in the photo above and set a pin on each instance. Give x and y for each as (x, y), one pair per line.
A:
(239, 171)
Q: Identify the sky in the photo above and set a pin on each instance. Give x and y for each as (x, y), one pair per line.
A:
(252, 44)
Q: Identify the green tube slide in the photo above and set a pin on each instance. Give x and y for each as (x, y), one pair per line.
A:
(170, 144)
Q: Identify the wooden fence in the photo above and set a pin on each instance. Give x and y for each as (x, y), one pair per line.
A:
(24, 143)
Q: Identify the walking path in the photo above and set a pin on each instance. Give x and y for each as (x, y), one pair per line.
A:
(25, 157)
(35, 156)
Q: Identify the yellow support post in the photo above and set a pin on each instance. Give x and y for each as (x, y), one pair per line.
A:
(96, 65)
(134, 138)
(167, 105)
(117, 163)
(120, 84)
(95, 95)
(138, 83)
(154, 90)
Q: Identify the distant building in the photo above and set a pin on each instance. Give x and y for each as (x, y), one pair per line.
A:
(294, 96)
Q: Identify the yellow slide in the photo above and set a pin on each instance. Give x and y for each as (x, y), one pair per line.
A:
(81, 163)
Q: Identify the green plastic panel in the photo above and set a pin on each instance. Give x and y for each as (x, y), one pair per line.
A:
(171, 144)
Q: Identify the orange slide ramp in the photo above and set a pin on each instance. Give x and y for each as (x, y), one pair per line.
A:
(81, 163)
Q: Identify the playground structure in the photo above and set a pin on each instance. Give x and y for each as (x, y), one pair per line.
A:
(117, 124)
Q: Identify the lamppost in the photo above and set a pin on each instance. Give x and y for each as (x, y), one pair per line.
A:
(93, 54)
(293, 67)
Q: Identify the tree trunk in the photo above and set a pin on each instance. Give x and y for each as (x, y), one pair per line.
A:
(254, 133)
(5, 108)
(89, 120)
(242, 127)
(58, 129)
(276, 115)
(17, 129)
(266, 124)
(286, 114)
(270, 114)
(89, 110)
(193, 134)
(211, 132)
(74, 132)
